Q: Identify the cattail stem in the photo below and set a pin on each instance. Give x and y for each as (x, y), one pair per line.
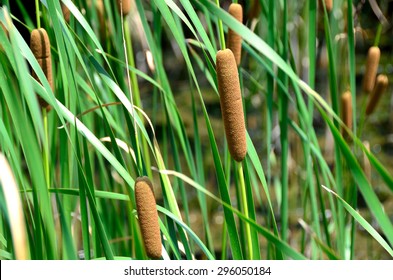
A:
(37, 13)
(231, 104)
(378, 35)
(148, 217)
(221, 29)
(244, 207)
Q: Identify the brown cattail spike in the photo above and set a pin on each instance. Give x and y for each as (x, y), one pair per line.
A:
(231, 103)
(40, 46)
(346, 111)
(372, 62)
(148, 217)
(124, 6)
(66, 12)
(234, 39)
(380, 87)
(328, 5)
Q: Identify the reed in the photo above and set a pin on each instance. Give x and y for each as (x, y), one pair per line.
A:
(370, 73)
(231, 103)
(124, 6)
(381, 85)
(148, 217)
(234, 39)
(40, 46)
(346, 111)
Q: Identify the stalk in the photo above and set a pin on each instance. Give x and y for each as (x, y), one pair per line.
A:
(221, 30)
(244, 208)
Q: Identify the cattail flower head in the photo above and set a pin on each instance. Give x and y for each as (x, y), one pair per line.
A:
(124, 6)
(40, 47)
(372, 62)
(346, 111)
(231, 103)
(380, 87)
(66, 12)
(148, 217)
(328, 5)
(234, 39)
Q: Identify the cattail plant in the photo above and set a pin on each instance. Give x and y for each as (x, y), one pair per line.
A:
(380, 87)
(148, 217)
(40, 46)
(124, 6)
(231, 103)
(372, 62)
(346, 111)
(234, 39)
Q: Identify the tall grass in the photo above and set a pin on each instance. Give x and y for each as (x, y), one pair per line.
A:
(136, 93)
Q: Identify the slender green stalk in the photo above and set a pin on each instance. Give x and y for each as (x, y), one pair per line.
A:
(221, 30)
(136, 93)
(244, 207)
(270, 90)
(283, 111)
(312, 35)
(37, 13)
(378, 35)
